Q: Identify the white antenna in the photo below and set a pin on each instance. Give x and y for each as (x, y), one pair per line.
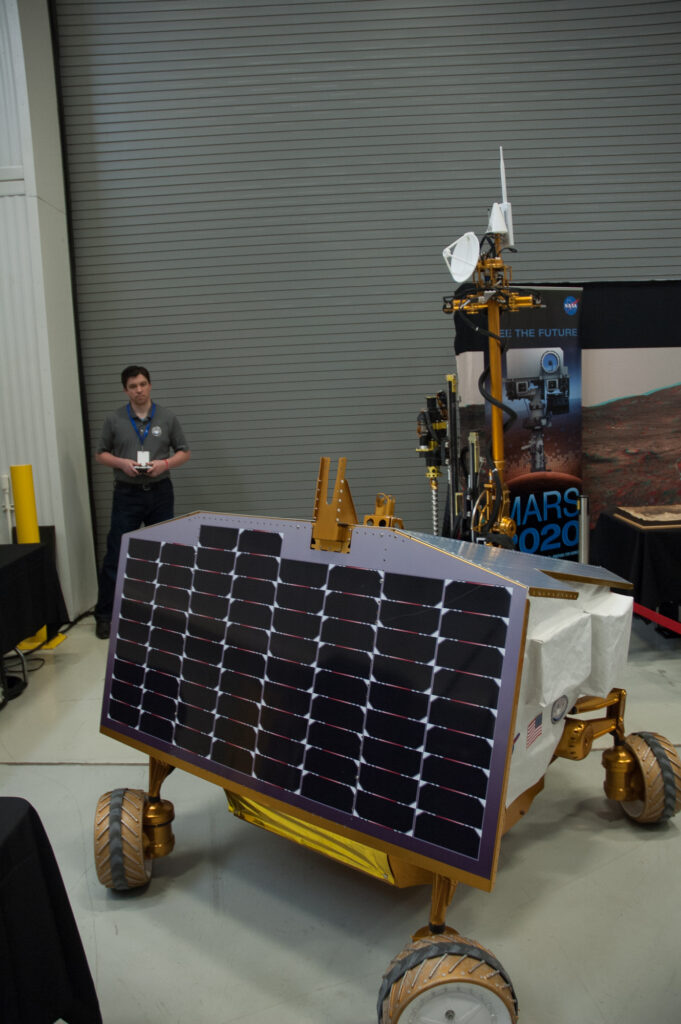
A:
(461, 256)
(497, 221)
(505, 205)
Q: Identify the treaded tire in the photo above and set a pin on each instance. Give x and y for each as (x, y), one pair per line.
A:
(119, 840)
(660, 766)
(430, 964)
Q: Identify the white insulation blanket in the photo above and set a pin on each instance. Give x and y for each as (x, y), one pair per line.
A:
(573, 648)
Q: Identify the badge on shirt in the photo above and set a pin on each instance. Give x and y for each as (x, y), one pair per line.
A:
(156, 431)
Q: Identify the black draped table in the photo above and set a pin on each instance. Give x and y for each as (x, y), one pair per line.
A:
(43, 969)
(30, 596)
(648, 556)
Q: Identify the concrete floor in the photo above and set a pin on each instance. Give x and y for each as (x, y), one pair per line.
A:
(238, 925)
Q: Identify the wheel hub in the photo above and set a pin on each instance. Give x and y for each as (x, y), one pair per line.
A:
(456, 1003)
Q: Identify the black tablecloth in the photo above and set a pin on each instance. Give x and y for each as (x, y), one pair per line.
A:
(30, 596)
(650, 559)
(43, 970)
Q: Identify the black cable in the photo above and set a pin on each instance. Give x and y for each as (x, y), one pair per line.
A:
(30, 663)
(74, 622)
(14, 661)
(429, 424)
(463, 454)
(512, 415)
(62, 629)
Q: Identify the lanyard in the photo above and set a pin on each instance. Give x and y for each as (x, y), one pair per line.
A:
(142, 436)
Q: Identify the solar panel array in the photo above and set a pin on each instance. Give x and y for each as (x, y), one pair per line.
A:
(365, 695)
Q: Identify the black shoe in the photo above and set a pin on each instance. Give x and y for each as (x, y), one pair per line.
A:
(102, 629)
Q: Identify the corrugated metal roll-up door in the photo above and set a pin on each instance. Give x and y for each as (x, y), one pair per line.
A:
(260, 193)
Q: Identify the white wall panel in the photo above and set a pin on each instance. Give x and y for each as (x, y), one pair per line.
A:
(40, 414)
(25, 421)
(10, 133)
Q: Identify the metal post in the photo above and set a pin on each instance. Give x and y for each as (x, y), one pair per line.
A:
(583, 506)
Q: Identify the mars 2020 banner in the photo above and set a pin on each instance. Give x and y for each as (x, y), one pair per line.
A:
(543, 445)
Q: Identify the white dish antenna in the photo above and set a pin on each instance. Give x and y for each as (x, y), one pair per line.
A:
(462, 256)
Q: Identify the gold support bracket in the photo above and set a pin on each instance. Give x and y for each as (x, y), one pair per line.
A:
(578, 735)
(384, 513)
(158, 814)
(623, 780)
(442, 893)
(333, 520)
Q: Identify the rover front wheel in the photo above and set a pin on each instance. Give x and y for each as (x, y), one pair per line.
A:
(660, 767)
(446, 979)
(120, 843)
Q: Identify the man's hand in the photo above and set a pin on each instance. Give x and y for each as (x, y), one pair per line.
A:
(157, 468)
(128, 467)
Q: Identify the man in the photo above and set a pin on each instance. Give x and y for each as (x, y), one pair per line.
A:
(136, 442)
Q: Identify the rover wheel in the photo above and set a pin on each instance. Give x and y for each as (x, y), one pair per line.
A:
(119, 840)
(660, 766)
(437, 980)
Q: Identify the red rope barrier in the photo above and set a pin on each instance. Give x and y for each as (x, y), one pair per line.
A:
(660, 620)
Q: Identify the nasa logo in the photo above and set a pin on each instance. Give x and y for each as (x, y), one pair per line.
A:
(570, 305)
(559, 708)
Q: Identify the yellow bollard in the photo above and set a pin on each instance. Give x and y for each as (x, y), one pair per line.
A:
(28, 532)
(25, 512)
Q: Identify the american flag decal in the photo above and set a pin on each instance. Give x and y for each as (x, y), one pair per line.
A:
(533, 731)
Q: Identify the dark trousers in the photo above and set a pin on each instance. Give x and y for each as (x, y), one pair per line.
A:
(133, 506)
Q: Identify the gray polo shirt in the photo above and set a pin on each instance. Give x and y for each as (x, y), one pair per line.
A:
(164, 437)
